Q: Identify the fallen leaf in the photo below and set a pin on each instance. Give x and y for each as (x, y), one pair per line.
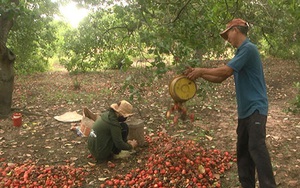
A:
(201, 169)
(208, 137)
(293, 183)
(217, 176)
(91, 164)
(103, 179)
(73, 158)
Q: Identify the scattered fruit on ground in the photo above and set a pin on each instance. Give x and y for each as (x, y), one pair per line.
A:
(31, 175)
(175, 162)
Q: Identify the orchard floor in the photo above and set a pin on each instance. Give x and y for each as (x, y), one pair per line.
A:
(42, 140)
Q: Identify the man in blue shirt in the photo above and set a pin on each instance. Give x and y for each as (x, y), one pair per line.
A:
(252, 104)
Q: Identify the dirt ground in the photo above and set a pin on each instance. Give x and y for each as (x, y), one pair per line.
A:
(46, 141)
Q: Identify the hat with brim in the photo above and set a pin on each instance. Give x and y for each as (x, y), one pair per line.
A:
(231, 24)
(123, 107)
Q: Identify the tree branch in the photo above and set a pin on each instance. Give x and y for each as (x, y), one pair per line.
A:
(6, 23)
(227, 7)
(180, 11)
(265, 36)
(112, 28)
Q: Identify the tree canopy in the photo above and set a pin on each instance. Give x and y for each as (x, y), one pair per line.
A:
(186, 30)
(117, 33)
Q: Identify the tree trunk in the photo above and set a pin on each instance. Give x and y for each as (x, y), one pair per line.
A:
(7, 59)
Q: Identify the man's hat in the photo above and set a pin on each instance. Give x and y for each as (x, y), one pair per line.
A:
(233, 23)
(123, 107)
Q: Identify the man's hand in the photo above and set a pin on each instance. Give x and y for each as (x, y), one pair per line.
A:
(133, 143)
(188, 70)
(192, 73)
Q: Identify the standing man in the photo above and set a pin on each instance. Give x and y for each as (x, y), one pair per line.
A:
(252, 104)
(109, 132)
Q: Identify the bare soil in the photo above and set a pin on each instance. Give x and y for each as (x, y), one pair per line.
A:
(46, 141)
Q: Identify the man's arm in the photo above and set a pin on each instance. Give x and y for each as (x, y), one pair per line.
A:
(216, 75)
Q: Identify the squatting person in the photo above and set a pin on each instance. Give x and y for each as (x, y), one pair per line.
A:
(109, 132)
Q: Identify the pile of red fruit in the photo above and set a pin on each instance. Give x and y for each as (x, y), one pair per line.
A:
(39, 176)
(180, 112)
(176, 163)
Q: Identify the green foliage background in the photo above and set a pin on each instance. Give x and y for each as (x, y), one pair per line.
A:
(119, 33)
(187, 31)
(32, 37)
(162, 35)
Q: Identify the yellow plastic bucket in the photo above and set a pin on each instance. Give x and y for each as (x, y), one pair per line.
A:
(182, 88)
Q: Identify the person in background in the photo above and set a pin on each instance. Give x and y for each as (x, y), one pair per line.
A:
(252, 104)
(109, 133)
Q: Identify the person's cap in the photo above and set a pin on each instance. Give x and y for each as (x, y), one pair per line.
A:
(123, 107)
(233, 23)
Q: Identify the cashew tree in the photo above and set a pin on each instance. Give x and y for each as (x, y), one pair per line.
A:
(7, 57)
(24, 28)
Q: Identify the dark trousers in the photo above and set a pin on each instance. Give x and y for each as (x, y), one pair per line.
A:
(252, 152)
(125, 131)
